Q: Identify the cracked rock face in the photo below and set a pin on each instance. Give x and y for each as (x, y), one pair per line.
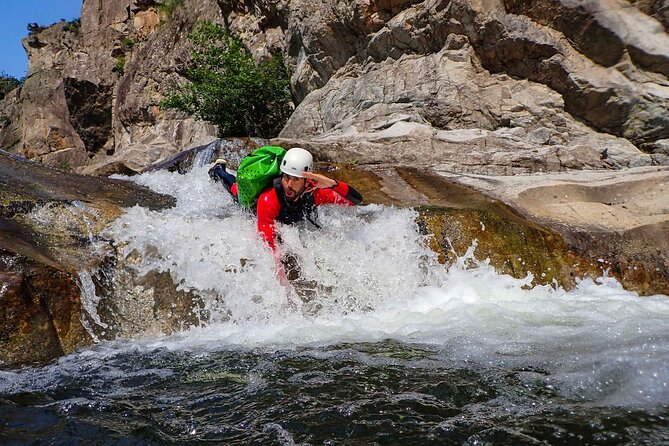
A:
(485, 86)
(90, 100)
(389, 113)
(495, 88)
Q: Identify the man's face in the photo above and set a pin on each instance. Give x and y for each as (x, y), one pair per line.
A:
(292, 186)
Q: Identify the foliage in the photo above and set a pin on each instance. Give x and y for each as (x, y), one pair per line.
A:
(35, 28)
(167, 7)
(128, 42)
(230, 89)
(8, 83)
(73, 25)
(65, 166)
(119, 65)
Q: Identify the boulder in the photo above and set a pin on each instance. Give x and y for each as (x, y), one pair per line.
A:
(50, 232)
(558, 227)
(40, 311)
(619, 220)
(387, 113)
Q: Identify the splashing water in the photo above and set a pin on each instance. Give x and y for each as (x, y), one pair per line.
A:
(376, 341)
(371, 277)
(370, 270)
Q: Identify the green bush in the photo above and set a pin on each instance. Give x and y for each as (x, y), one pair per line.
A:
(167, 7)
(65, 166)
(230, 89)
(128, 42)
(35, 28)
(119, 65)
(73, 25)
(7, 84)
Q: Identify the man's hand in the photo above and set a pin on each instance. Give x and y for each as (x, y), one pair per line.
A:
(320, 181)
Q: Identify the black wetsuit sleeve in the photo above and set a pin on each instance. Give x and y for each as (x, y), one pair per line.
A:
(353, 195)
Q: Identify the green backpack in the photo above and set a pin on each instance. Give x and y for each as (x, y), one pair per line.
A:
(256, 172)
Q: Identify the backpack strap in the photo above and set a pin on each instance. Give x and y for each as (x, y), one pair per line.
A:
(293, 212)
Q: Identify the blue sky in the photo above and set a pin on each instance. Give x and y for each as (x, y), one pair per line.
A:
(14, 18)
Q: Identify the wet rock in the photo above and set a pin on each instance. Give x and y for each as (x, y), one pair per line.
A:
(133, 304)
(560, 228)
(40, 311)
(618, 221)
(232, 150)
(50, 231)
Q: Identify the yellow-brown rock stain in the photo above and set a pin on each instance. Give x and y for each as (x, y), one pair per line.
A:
(454, 217)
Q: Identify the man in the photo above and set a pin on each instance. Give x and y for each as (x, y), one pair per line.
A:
(295, 195)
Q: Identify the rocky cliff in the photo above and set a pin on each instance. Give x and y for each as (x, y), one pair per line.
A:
(90, 100)
(487, 86)
(491, 87)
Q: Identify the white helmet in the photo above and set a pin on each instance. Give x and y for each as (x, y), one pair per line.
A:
(296, 162)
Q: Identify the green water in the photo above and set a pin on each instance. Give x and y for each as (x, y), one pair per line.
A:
(371, 393)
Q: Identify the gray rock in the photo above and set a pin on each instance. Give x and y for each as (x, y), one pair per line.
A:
(659, 9)
(660, 147)
(660, 159)
(79, 98)
(533, 79)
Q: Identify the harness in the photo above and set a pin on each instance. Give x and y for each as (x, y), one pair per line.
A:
(294, 211)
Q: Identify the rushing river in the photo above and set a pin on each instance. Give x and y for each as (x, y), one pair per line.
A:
(376, 343)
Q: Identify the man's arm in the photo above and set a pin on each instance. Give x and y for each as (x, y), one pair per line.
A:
(331, 191)
(268, 210)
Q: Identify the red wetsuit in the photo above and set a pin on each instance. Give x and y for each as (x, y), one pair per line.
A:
(273, 206)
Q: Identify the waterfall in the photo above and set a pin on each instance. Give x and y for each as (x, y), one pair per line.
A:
(367, 275)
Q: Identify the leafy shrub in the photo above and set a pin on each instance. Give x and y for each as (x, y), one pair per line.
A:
(7, 84)
(35, 28)
(65, 166)
(119, 65)
(167, 7)
(230, 89)
(73, 25)
(128, 42)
